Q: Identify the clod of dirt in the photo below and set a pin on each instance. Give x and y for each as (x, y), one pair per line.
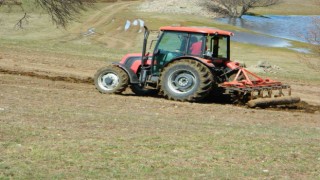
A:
(308, 108)
(264, 64)
(267, 67)
(264, 67)
(302, 106)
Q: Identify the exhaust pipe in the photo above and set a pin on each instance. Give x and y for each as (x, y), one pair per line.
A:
(145, 69)
(265, 102)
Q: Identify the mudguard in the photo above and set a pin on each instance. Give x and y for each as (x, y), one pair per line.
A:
(206, 62)
(132, 76)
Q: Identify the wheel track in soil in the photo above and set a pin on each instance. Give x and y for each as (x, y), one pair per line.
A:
(303, 106)
(69, 79)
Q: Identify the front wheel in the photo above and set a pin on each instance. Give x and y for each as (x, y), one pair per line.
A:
(186, 80)
(111, 79)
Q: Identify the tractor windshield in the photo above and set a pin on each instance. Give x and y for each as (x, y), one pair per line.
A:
(173, 42)
(219, 46)
(170, 45)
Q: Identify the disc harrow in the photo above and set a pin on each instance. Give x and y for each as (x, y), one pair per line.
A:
(258, 92)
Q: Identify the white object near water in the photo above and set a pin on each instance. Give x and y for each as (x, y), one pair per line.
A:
(89, 32)
(141, 22)
(135, 22)
(127, 26)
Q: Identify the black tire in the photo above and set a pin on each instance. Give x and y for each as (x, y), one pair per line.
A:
(140, 91)
(111, 79)
(186, 80)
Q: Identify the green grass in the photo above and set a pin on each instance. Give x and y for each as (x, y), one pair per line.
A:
(291, 63)
(68, 134)
(291, 7)
(68, 142)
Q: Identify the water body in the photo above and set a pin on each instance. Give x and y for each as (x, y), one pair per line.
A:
(260, 39)
(271, 30)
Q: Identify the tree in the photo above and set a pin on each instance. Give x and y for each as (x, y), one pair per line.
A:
(313, 38)
(237, 8)
(60, 11)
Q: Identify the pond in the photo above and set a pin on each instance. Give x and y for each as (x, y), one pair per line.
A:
(271, 30)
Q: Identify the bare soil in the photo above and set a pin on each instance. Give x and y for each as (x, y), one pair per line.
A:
(69, 69)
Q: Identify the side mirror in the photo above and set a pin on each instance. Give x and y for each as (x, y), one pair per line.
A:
(146, 57)
(154, 40)
(157, 52)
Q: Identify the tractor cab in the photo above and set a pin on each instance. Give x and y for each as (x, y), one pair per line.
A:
(196, 43)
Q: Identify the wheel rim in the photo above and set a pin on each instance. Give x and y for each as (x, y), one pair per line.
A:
(108, 81)
(182, 81)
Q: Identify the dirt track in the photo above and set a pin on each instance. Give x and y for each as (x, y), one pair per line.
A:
(109, 26)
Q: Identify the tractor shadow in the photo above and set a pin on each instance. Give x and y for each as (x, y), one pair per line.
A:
(298, 107)
(302, 106)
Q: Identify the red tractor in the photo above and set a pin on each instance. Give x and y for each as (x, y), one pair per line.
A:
(191, 64)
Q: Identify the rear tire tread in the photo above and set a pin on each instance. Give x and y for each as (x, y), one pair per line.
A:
(205, 77)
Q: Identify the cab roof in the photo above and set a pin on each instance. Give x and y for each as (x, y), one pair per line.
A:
(204, 30)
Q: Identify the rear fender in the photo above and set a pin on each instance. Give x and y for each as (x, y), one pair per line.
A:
(232, 65)
(132, 75)
(206, 62)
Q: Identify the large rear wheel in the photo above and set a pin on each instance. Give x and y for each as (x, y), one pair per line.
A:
(186, 80)
(111, 79)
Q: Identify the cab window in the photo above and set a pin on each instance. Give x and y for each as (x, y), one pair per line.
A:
(173, 42)
(219, 46)
(196, 44)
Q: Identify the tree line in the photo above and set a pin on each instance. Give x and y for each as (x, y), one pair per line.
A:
(60, 11)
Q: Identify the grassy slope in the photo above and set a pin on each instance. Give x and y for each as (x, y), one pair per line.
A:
(292, 7)
(56, 138)
(43, 37)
